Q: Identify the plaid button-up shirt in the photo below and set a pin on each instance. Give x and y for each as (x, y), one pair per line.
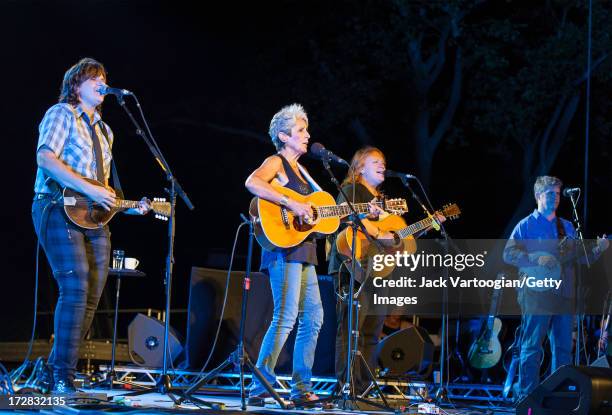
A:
(64, 131)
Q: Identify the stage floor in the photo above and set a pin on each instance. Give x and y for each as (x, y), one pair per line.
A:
(152, 403)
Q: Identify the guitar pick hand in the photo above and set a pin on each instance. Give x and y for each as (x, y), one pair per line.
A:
(105, 197)
(303, 211)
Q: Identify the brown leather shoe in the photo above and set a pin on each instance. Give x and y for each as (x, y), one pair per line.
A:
(310, 400)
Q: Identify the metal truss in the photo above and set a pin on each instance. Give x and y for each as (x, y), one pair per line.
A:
(393, 389)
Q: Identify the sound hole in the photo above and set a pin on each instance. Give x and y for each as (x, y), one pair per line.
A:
(301, 227)
(305, 226)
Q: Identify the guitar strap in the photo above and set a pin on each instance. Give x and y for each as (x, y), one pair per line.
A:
(561, 236)
(116, 182)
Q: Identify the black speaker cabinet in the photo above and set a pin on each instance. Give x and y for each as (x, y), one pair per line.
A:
(146, 341)
(571, 390)
(206, 292)
(407, 350)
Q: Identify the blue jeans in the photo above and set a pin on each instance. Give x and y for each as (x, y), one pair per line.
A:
(79, 259)
(534, 329)
(295, 292)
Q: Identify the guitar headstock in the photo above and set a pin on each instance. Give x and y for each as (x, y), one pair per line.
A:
(161, 208)
(451, 211)
(396, 206)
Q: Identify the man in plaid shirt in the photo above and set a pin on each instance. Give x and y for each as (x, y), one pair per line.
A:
(74, 143)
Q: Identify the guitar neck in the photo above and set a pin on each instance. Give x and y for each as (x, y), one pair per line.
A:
(126, 204)
(415, 227)
(494, 304)
(344, 210)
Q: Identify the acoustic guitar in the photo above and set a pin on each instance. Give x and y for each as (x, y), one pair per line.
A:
(275, 226)
(391, 223)
(486, 350)
(88, 214)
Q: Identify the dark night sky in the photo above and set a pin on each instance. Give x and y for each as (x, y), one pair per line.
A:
(193, 67)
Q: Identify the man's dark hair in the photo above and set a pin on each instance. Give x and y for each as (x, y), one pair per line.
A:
(86, 68)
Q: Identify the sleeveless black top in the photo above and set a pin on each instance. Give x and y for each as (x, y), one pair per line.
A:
(306, 252)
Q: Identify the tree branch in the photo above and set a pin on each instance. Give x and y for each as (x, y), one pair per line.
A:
(453, 101)
(543, 147)
(440, 55)
(561, 131)
(594, 66)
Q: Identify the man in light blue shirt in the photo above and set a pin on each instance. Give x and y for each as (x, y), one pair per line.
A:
(544, 240)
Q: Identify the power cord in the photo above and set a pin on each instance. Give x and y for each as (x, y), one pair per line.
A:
(16, 374)
(229, 273)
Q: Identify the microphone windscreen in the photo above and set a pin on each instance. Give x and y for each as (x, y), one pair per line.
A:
(317, 149)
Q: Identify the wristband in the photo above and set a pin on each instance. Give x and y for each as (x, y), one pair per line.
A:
(284, 201)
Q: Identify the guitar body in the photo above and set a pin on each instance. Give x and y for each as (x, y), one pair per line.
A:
(362, 246)
(277, 227)
(541, 273)
(486, 351)
(85, 213)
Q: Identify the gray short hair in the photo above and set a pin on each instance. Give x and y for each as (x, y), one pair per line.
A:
(284, 120)
(543, 182)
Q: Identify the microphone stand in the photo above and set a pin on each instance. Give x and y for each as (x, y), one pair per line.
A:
(347, 392)
(441, 393)
(238, 357)
(578, 301)
(164, 384)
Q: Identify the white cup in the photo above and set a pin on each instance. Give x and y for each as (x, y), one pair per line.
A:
(130, 263)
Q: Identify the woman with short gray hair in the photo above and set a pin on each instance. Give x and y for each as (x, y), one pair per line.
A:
(293, 278)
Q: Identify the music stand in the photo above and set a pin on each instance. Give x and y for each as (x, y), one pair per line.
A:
(118, 273)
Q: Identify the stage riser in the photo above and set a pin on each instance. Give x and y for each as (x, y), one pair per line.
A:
(89, 350)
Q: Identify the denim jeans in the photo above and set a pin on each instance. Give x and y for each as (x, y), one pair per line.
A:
(295, 292)
(79, 259)
(534, 329)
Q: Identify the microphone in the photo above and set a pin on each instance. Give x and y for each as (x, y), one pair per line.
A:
(318, 150)
(105, 90)
(391, 173)
(570, 191)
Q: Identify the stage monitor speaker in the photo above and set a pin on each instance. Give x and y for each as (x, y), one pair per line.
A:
(407, 350)
(146, 341)
(206, 292)
(571, 390)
